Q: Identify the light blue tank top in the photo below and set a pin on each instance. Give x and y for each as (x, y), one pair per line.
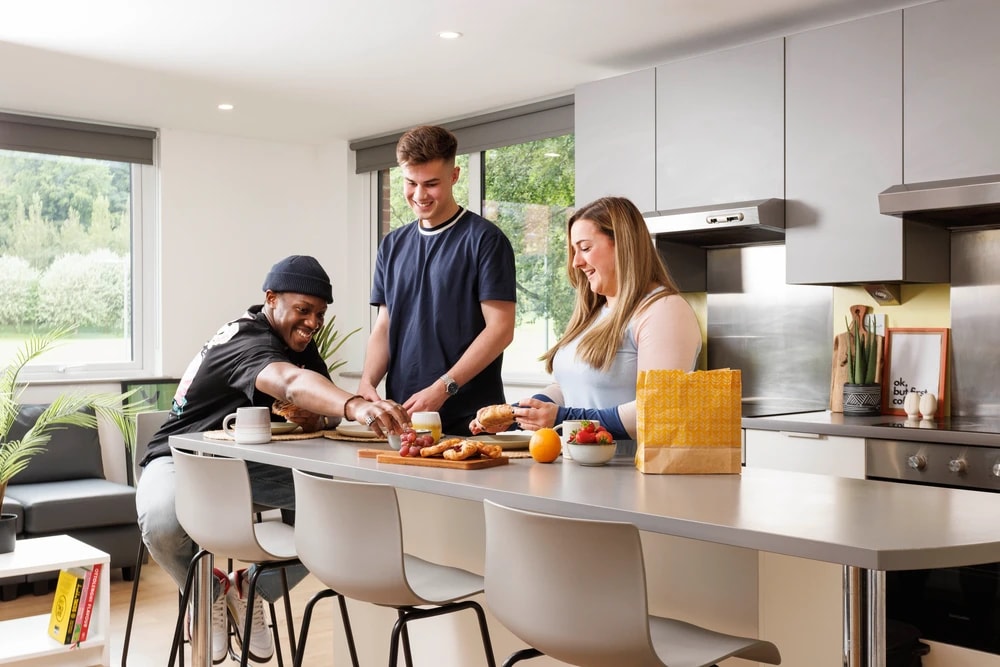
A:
(586, 387)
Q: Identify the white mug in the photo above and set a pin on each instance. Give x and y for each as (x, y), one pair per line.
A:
(253, 425)
(569, 427)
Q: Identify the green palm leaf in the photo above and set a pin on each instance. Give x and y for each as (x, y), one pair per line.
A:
(74, 408)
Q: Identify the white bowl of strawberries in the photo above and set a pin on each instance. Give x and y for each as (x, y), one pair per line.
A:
(592, 445)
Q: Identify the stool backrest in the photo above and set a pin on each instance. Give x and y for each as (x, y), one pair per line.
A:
(214, 505)
(574, 589)
(349, 535)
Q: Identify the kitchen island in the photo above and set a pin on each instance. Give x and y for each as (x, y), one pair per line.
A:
(863, 525)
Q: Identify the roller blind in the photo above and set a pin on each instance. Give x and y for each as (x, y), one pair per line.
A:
(540, 120)
(65, 137)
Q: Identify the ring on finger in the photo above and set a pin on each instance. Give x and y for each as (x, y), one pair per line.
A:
(370, 419)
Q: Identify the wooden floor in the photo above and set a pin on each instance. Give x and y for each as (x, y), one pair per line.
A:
(156, 610)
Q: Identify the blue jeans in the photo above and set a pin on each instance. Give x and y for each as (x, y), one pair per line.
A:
(173, 549)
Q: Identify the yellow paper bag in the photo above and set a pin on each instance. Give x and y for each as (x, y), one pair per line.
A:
(688, 423)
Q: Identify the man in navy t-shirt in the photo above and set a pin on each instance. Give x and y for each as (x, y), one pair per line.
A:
(445, 290)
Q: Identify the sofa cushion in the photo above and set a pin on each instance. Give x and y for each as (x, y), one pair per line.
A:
(51, 507)
(11, 506)
(73, 452)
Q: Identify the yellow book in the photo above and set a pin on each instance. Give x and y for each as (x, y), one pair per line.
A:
(69, 587)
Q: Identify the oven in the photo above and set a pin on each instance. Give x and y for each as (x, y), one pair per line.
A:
(958, 606)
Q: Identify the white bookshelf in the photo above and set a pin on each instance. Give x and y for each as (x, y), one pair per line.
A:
(25, 641)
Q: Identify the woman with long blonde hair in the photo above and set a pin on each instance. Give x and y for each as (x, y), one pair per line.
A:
(628, 317)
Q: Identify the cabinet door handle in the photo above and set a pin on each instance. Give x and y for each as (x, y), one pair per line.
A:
(796, 434)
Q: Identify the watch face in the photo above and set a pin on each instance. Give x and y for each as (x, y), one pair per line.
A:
(452, 387)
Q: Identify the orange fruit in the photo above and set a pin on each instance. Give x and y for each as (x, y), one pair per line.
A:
(545, 445)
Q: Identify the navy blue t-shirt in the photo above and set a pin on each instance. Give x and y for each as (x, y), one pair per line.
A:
(223, 377)
(433, 281)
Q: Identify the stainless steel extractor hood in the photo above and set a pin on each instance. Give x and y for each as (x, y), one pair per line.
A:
(736, 224)
(959, 202)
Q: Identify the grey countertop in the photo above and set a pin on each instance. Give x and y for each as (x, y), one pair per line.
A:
(836, 423)
(863, 523)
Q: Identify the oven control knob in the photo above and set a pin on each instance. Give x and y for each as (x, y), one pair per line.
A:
(918, 461)
(957, 465)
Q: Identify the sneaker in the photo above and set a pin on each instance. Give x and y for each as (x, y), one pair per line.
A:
(261, 642)
(220, 631)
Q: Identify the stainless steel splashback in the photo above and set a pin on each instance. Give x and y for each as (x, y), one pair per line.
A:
(780, 336)
(975, 323)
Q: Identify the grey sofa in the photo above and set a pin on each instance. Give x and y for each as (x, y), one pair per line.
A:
(64, 491)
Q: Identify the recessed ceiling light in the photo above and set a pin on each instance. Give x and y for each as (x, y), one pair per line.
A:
(225, 106)
(449, 34)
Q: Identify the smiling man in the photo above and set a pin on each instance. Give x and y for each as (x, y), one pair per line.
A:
(445, 290)
(265, 355)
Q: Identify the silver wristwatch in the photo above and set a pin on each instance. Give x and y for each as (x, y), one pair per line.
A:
(449, 385)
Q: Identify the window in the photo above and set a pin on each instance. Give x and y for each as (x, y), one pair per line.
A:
(529, 194)
(72, 250)
(528, 191)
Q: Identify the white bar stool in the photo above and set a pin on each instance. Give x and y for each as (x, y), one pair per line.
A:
(350, 536)
(575, 590)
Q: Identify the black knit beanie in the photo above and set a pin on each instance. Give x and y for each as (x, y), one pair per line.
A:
(301, 274)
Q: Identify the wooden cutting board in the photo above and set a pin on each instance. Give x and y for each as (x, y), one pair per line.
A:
(384, 456)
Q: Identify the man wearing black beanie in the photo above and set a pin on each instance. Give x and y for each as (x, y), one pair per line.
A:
(266, 355)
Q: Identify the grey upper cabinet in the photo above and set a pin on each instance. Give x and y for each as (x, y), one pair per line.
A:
(844, 135)
(950, 92)
(616, 139)
(720, 127)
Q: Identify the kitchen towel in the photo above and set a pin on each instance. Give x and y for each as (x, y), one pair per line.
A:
(688, 423)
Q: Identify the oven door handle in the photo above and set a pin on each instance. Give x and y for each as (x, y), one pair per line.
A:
(797, 434)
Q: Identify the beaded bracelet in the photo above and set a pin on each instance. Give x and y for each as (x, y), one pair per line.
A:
(348, 402)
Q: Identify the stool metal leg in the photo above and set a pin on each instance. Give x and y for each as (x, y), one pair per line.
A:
(523, 654)
(307, 619)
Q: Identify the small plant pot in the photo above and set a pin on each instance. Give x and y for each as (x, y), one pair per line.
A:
(8, 532)
(862, 400)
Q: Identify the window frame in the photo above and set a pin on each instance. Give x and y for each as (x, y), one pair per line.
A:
(145, 296)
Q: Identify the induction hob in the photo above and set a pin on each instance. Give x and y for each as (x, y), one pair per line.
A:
(959, 424)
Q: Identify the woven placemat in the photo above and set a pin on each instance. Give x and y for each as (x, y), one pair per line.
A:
(337, 435)
(516, 454)
(222, 435)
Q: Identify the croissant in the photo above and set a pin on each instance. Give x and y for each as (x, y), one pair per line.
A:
(290, 411)
(496, 418)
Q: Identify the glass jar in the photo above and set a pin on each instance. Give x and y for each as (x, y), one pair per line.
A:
(427, 420)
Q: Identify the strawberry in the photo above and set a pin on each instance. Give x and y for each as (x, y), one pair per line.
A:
(572, 436)
(585, 437)
(604, 438)
(588, 427)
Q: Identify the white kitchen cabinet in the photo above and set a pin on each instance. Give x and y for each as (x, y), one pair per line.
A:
(844, 141)
(799, 602)
(615, 130)
(805, 452)
(720, 127)
(951, 58)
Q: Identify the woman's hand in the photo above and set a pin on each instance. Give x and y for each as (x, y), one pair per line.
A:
(532, 414)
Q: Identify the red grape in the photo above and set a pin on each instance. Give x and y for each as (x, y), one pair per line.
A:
(404, 450)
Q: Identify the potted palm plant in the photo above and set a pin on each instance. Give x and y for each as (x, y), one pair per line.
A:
(71, 408)
(862, 391)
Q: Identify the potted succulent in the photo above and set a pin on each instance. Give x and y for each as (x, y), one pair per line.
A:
(71, 408)
(862, 391)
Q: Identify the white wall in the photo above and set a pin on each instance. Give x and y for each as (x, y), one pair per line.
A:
(230, 208)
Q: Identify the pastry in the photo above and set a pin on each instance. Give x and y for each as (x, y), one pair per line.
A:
(465, 449)
(496, 418)
(488, 451)
(434, 450)
(294, 413)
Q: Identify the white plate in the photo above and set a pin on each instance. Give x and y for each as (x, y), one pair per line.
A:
(277, 428)
(506, 439)
(355, 431)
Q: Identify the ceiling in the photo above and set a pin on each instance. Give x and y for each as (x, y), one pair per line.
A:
(321, 70)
